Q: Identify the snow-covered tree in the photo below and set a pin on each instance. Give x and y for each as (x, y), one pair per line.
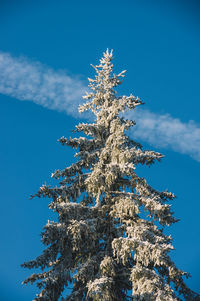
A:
(108, 243)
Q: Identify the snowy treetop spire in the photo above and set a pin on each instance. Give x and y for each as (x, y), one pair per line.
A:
(103, 244)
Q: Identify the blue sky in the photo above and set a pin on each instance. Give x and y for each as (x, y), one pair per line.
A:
(46, 50)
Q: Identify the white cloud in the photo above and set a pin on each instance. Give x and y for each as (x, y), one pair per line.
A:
(167, 132)
(28, 80)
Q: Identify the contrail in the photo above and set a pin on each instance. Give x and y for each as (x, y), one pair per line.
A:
(28, 80)
(167, 132)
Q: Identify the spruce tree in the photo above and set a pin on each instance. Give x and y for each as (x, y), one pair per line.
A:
(104, 246)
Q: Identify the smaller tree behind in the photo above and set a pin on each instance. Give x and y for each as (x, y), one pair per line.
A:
(102, 244)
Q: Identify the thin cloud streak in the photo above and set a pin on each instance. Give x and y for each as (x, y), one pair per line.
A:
(167, 132)
(31, 81)
(26, 80)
